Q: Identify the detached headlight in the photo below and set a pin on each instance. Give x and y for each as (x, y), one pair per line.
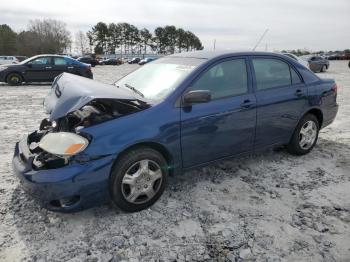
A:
(63, 143)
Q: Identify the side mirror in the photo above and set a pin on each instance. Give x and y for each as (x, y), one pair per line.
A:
(197, 96)
(29, 64)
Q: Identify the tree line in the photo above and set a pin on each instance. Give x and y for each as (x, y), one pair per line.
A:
(128, 39)
(52, 36)
(42, 36)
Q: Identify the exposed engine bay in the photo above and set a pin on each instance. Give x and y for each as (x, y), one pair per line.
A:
(95, 112)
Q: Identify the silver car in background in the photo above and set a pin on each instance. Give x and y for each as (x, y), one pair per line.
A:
(318, 64)
(8, 60)
(296, 58)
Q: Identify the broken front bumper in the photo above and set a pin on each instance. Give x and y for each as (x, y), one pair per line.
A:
(72, 187)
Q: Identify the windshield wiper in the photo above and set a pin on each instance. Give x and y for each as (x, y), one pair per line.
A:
(134, 89)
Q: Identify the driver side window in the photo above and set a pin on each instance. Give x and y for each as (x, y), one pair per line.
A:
(228, 78)
(41, 61)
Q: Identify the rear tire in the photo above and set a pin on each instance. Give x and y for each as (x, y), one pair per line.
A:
(305, 135)
(14, 79)
(138, 179)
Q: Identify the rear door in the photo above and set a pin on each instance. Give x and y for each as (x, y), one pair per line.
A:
(225, 125)
(76, 67)
(281, 99)
(39, 69)
(61, 65)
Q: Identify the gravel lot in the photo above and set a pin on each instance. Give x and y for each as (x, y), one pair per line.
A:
(268, 207)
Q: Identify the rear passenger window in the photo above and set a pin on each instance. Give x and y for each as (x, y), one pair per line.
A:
(295, 77)
(225, 79)
(271, 73)
(59, 61)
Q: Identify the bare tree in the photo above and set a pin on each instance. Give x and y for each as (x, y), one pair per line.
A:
(52, 35)
(81, 42)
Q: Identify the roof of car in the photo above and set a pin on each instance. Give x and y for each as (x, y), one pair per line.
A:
(214, 54)
(51, 55)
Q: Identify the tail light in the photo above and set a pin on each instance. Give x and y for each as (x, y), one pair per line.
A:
(335, 88)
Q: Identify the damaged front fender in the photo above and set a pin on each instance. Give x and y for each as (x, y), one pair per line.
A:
(75, 103)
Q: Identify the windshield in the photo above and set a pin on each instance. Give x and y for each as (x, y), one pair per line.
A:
(27, 60)
(158, 79)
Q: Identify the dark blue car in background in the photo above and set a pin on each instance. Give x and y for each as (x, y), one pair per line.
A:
(42, 68)
(179, 112)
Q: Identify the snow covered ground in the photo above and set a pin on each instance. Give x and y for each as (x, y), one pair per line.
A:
(268, 207)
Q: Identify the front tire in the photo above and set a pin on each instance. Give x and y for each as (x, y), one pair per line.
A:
(324, 68)
(305, 135)
(14, 79)
(138, 179)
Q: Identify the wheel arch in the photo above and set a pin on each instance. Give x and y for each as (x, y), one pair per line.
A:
(14, 72)
(318, 113)
(153, 145)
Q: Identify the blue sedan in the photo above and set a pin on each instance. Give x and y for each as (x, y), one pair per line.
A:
(120, 142)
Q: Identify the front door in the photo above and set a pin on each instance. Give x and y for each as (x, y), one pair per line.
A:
(281, 99)
(39, 69)
(224, 126)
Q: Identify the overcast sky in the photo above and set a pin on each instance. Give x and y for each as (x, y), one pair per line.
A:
(292, 24)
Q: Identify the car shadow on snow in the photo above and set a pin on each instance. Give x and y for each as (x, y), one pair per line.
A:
(27, 84)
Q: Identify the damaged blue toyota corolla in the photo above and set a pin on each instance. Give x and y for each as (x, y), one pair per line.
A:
(120, 142)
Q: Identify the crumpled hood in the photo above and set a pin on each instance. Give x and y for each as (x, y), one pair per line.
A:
(70, 92)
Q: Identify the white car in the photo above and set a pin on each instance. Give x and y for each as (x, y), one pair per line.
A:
(300, 60)
(6, 60)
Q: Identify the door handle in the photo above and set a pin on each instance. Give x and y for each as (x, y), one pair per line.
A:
(48, 67)
(247, 104)
(70, 67)
(299, 93)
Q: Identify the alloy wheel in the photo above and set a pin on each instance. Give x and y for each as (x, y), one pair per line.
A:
(141, 181)
(14, 79)
(307, 135)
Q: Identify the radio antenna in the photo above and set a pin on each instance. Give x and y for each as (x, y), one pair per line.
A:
(260, 39)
